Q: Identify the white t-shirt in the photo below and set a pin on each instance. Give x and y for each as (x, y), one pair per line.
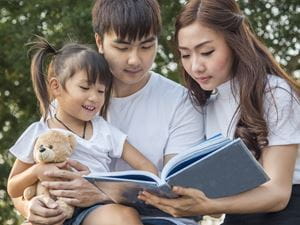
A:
(283, 117)
(159, 119)
(96, 153)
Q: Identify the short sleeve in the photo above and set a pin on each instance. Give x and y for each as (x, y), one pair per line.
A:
(117, 139)
(186, 128)
(23, 147)
(282, 113)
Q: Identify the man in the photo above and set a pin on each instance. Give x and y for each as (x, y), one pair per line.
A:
(153, 111)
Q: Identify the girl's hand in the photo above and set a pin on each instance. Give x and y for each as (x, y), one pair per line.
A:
(191, 202)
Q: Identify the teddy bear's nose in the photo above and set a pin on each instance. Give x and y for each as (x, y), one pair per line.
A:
(42, 149)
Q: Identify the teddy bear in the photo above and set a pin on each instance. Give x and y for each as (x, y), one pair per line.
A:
(52, 146)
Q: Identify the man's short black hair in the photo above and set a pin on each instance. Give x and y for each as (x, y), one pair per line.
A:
(129, 19)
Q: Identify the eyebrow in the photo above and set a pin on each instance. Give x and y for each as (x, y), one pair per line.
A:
(197, 46)
(121, 41)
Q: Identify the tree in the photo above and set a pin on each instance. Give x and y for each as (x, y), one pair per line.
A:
(276, 22)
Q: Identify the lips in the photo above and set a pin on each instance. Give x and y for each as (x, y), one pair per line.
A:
(133, 70)
(89, 107)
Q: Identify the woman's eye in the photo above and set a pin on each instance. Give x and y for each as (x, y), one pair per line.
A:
(184, 56)
(207, 52)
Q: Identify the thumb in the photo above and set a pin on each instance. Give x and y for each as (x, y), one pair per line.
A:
(49, 202)
(191, 192)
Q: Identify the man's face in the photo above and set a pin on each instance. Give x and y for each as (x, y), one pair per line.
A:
(129, 62)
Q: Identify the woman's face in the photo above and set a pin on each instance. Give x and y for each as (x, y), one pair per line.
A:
(205, 55)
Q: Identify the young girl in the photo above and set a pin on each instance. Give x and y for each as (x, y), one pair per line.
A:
(245, 94)
(77, 79)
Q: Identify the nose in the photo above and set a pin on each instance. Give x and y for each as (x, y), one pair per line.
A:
(94, 96)
(197, 65)
(134, 58)
(42, 149)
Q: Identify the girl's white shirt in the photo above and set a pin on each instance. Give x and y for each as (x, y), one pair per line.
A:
(106, 142)
(281, 111)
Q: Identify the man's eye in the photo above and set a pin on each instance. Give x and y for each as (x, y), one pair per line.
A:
(122, 48)
(147, 46)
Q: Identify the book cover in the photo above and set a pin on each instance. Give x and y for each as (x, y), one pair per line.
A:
(219, 167)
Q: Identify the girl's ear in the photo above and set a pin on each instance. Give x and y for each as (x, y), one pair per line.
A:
(55, 87)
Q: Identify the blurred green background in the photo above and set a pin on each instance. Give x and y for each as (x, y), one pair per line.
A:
(275, 21)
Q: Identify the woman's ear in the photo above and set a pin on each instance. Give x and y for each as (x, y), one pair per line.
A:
(55, 87)
(99, 43)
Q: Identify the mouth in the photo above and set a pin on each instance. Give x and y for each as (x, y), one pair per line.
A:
(89, 108)
(133, 70)
(203, 79)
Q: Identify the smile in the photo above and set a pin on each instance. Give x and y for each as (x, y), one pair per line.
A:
(89, 108)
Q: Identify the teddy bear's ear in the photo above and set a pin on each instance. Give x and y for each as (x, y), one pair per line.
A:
(72, 140)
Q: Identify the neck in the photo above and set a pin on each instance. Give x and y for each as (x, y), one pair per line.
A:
(120, 89)
(77, 127)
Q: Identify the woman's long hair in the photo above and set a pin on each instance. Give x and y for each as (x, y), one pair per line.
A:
(252, 63)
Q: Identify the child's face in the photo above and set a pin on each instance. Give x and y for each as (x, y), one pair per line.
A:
(129, 62)
(205, 55)
(81, 99)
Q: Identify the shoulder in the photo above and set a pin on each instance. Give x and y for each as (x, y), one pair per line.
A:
(104, 127)
(279, 91)
(167, 88)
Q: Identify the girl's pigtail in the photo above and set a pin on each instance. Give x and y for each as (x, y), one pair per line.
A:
(43, 49)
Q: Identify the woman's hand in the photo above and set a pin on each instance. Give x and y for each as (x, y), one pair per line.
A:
(191, 202)
(43, 210)
(72, 188)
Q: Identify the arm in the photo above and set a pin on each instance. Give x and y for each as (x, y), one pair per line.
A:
(278, 162)
(136, 160)
(23, 175)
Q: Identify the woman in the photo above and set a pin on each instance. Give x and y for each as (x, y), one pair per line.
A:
(245, 94)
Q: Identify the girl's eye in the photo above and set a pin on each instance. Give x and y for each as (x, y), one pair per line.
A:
(101, 91)
(207, 53)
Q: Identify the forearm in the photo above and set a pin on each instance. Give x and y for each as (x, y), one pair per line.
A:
(17, 183)
(261, 199)
(21, 206)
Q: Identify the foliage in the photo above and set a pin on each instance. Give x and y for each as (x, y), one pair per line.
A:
(276, 22)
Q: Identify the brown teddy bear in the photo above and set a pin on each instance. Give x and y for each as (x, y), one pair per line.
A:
(51, 147)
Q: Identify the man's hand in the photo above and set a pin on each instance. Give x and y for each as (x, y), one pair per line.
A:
(43, 210)
(72, 188)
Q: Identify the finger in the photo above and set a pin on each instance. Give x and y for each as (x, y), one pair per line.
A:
(155, 200)
(57, 185)
(78, 166)
(62, 174)
(191, 192)
(63, 193)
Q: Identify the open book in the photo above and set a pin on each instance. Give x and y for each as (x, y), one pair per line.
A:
(218, 166)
